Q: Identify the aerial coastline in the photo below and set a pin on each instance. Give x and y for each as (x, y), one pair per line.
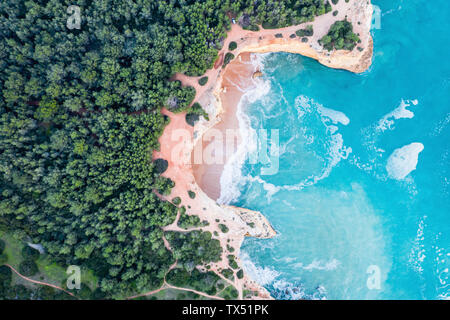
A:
(220, 98)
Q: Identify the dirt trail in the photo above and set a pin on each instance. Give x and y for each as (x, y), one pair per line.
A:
(39, 282)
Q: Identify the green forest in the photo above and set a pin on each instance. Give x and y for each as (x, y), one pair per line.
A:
(80, 117)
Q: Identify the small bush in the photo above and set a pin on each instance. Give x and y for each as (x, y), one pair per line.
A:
(29, 253)
(278, 35)
(28, 268)
(232, 262)
(192, 118)
(335, 13)
(223, 228)
(2, 245)
(176, 201)
(191, 194)
(161, 165)
(232, 45)
(307, 32)
(335, 1)
(228, 57)
(252, 28)
(202, 81)
(240, 274)
(194, 114)
(228, 273)
(292, 36)
(230, 248)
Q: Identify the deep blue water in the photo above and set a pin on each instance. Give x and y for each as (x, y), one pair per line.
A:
(346, 207)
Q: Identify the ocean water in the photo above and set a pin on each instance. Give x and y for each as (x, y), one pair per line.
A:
(361, 198)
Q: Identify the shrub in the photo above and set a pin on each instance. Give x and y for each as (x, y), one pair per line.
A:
(28, 268)
(191, 194)
(161, 165)
(278, 35)
(223, 228)
(176, 201)
(230, 248)
(29, 253)
(292, 36)
(228, 273)
(240, 274)
(228, 57)
(194, 114)
(307, 32)
(335, 13)
(2, 245)
(231, 262)
(232, 45)
(335, 1)
(202, 81)
(192, 118)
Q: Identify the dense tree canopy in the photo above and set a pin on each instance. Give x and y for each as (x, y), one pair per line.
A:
(80, 117)
(340, 36)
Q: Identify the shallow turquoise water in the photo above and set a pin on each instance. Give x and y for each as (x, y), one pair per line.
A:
(342, 205)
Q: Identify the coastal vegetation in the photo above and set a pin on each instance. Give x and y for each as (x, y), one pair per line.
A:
(79, 120)
(228, 57)
(202, 81)
(306, 32)
(340, 36)
(194, 113)
(232, 45)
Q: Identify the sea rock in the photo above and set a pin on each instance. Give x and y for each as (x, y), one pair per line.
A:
(257, 74)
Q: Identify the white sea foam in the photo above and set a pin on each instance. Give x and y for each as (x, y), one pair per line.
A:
(401, 112)
(334, 115)
(270, 188)
(284, 290)
(319, 265)
(417, 254)
(403, 160)
(336, 150)
(262, 275)
(442, 124)
(442, 264)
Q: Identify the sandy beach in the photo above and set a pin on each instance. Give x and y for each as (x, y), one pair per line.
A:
(220, 98)
(236, 80)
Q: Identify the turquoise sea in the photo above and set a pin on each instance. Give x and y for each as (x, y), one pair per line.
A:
(361, 200)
